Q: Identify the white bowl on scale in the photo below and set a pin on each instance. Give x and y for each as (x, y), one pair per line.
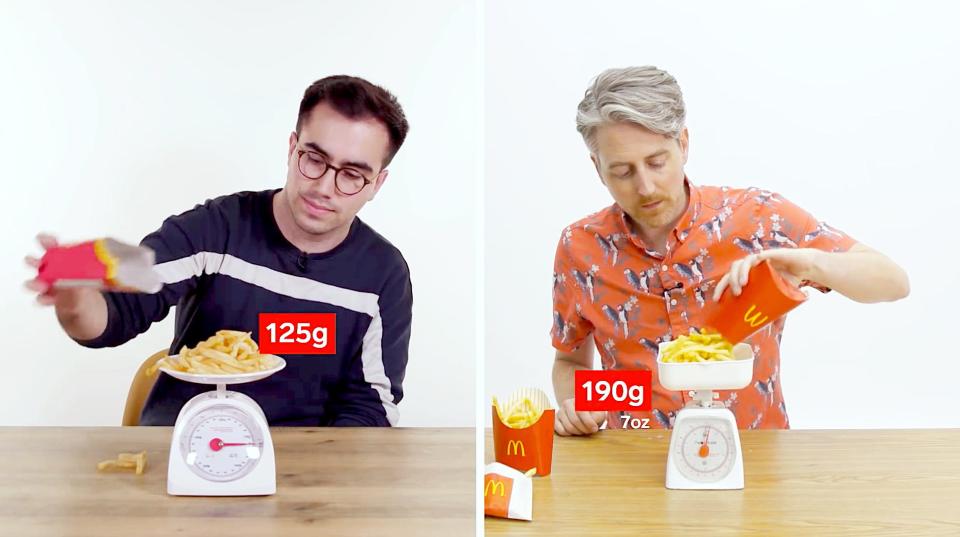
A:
(711, 375)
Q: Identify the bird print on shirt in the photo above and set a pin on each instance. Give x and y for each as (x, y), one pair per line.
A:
(586, 281)
(638, 282)
(750, 245)
(692, 271)
(562, 329)
(684, 271)
(714, 226)
(611, 348)
(651, 345)
(608, 245)
(765, 197)
(619, 315)
(767, 386)
(822, 229)
(778, 239)
(559, 280)
(665, 419)
(698, 293)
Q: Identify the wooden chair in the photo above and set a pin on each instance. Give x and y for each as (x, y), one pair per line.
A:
(139, 390)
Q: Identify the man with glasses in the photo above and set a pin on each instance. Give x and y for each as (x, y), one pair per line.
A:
(299, 249)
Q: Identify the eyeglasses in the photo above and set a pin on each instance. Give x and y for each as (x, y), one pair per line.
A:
(347, 180)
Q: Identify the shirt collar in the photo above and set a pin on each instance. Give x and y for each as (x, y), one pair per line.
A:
(690, 216)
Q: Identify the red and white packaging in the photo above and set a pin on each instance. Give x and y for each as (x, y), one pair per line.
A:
(103, 264)
(507, 493)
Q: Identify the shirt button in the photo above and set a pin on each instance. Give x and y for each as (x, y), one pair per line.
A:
(663, 268)
(673, 302)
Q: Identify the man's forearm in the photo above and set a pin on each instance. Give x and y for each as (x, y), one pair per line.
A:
(563, 378)
(863, 276)
(84, 316)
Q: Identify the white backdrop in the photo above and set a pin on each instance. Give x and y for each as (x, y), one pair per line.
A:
(116, 116)
(849, 109)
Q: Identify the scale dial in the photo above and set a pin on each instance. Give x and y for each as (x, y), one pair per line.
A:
(706, 451)
(221, 443)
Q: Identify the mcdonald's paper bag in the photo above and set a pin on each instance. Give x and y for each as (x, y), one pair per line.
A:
(507, 493)
(523, 431)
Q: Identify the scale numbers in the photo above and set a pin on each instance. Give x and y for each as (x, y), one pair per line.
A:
(705, 452)
(221, 444)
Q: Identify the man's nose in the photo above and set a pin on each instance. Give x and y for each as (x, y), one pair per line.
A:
(325, 185)
(644, 185)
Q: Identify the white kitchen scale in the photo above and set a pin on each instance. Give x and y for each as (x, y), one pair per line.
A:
(705, 448)
(221, 443)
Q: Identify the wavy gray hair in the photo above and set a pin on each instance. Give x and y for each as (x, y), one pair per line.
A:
(645, 96)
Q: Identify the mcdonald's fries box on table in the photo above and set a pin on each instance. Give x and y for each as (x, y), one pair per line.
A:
(523, 447)
(523, 431)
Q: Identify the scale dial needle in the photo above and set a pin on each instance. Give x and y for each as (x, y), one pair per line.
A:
(217, 444)
(704, 448)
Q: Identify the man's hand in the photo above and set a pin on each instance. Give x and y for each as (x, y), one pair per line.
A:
(861, 273)
(81, 311)
(570, 422)
(794, 264)
(47, 295)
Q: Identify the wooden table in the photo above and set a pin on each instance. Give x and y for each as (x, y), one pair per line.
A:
(349, 481)
(817, 483)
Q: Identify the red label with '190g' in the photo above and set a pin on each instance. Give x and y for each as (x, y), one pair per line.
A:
(298, 333)
(612, 390)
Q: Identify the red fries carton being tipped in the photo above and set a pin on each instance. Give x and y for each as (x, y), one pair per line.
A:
(103, 263)
(765, 298)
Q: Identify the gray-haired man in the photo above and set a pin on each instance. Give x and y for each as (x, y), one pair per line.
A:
(651, 266)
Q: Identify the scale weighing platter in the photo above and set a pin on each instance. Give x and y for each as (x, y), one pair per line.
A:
(235, 378)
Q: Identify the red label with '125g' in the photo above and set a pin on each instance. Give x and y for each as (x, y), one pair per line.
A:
(298, 333)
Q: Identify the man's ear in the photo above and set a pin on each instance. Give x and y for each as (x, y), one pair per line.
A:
(293, 144)
(378, 182)
(596, 166)
(685, 144)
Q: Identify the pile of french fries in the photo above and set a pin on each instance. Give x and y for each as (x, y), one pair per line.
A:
(126, 461)
(702, 347)
(519, 413)
(227, 352)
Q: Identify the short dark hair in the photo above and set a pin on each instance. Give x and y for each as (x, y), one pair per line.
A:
(355, 98)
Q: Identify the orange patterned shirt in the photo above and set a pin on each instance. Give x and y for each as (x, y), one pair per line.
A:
(607, 285)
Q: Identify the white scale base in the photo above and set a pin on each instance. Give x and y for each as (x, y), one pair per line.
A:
(183, 481)
(687, 467)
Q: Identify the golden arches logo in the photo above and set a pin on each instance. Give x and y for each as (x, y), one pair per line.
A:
(517, 447)
(754, 321)
(492, 487)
